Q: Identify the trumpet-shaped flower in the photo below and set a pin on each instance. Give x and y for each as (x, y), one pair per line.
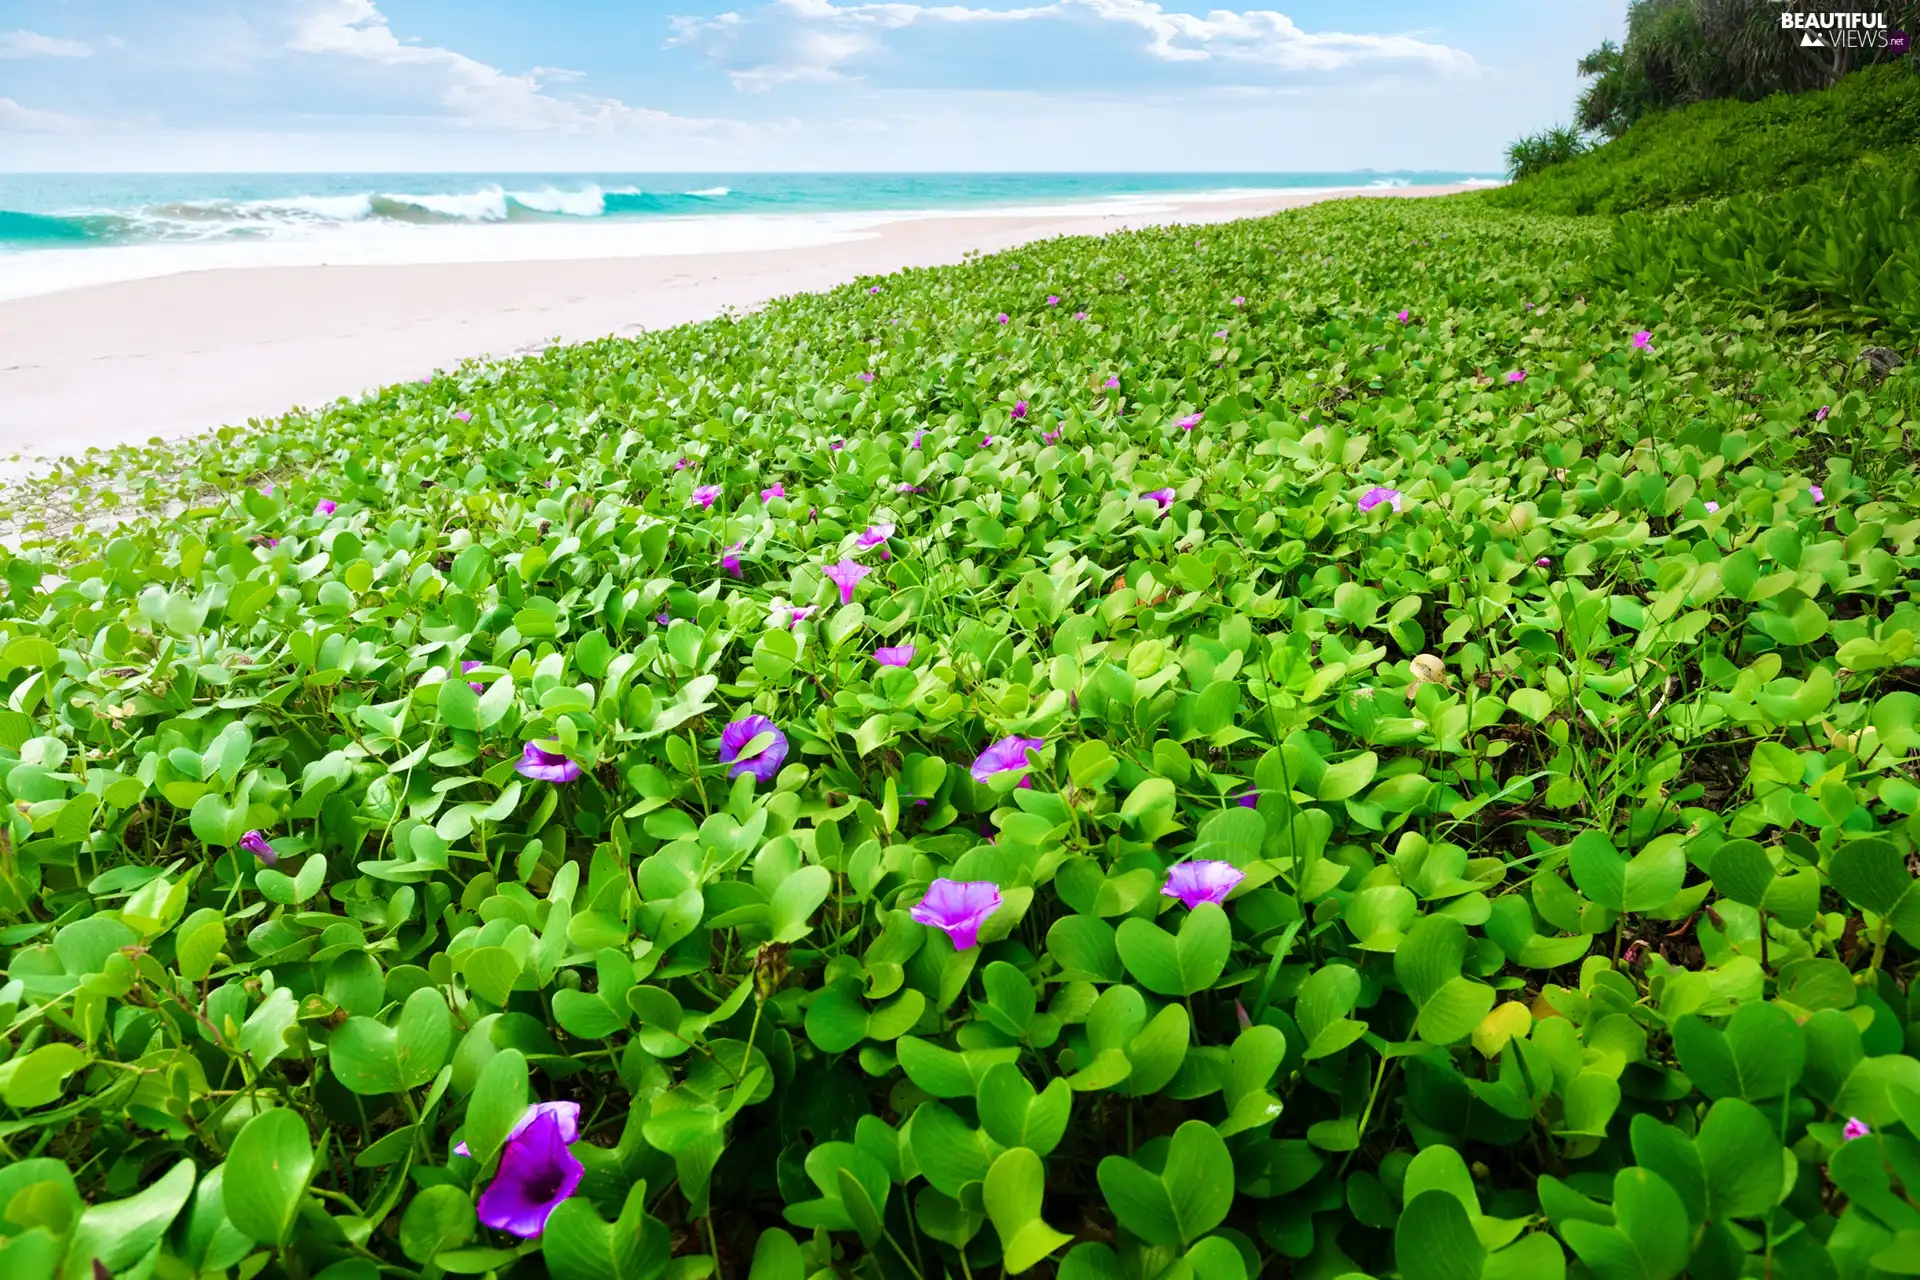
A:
(545, 766)
(1642, 339)
(1053, 299)
(681, 465)
(256, 844)
(846, 575)
(537, 1172)
(898, 655)
(1855, 1129)
(705, 494)
(1378, 495)
(1819, 494)
(772, 491)
(866, 375)
(1113, 384)
(874, 536)
(1401, 316)
(958, 908)
(326, 507)
(566, 1114)
(1189, 422)
(1162, 496)
(1820, 414)
(474, 685)
(1205, 880)
(731, 562)
(1079, 315)
(464, 415)
(1019, 410)
(1239, 302)
(1517, 375)
(763, 762)
(1002, 318)
(1009, 755)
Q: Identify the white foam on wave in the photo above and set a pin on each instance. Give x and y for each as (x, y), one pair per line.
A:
(711, 193)
(486, 205)
(587, 203)
(326, 208)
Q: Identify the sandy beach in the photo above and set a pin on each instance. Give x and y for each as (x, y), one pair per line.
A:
(179, 354)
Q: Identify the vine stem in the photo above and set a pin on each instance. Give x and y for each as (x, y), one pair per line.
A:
(1366, 1117)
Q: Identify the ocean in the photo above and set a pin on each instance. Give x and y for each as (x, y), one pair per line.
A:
(60, 231)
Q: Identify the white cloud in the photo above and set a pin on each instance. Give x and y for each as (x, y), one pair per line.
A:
(797, 41)
(17, 118)
(476, 93)
(31, 44)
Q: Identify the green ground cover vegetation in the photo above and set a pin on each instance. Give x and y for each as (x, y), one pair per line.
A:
(1508, 657)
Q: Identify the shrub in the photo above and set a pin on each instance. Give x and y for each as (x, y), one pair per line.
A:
(1727, 147)
(1531, 154)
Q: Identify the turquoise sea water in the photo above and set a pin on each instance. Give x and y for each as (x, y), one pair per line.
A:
(67, 211)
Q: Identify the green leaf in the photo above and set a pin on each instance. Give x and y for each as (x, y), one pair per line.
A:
(1014, 1188)
(1177, 965)
(422, 1038)
(499, 1100)
(1435, 1240)
(438, 1219)
(1015, 1116)
(121, 1232)
(578, 1245)
(1649, 1239)
(795, 901)
(1760, 1054)
(1428, 962)
(1187, 1198)
(266, 1175)
(1742, 1160)
(1348, 778)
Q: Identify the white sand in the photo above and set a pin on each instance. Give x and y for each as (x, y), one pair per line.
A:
(178, 354)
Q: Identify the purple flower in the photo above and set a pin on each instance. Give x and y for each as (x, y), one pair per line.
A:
(266, 490)
(474, 685)
(273, 542)
(681, 465)
(1712, 507)
(731, 562)
(1820, 414)
(1053, 299)
(1543, 562)
(772, 491)
(1402, 316)
(1049, 436)
(1642, 338)
(663, 617)
(866, 375)
(705, 494)
(565, 1114)
(1189, 422)
(1239, 302)
(326, 507)
(1113, 384)
(1001, 318)
(1204, 881)
(898, 655)
(1249, 800)
(875, 289)
(764, 762)
(904, 487)
(1162, 496)
(1517, 375)
(918, 436)
(1377, 495)
(256, 844)
(537, 1171)
(1856, 1128)
(958, 908)
(464, 415)
(1079, 315)
(838, 445)
(985, 441)
(1019, 410)
(846, 575)
(1221, 333)
(875, 536)
(1819, 494)
(1009, 755)
(545, 766)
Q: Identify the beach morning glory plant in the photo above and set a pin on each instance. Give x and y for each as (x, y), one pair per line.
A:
(705, 494)
(256, 844)
(545, 766)
(1009, 755)
(846, 575)
(898, 655)
(1377, 496)
(537, 1172)
(1204, 880)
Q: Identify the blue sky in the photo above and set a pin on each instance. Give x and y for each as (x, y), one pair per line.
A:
(726, 85)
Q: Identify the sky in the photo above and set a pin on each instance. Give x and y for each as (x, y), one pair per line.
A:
(720, 86)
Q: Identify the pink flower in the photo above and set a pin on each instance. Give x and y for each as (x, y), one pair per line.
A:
(474, 685)
(918, 436)
(731, 562)
(958, 908)
(986, 441)
(1518, 375)
(705, 494)
(1049, 436)
(874, 536)
(1019, 409)
(1009, 755)
(1402, 317)
(875, 289)
(763, 763)
(898, 655)
(1239, 302)
(838, 445)
(846, 575)
(256, 844)
(1189, 422)
(545, 766)
(1712, 507)
(772, 491)
(1820, 414)
(1221, 333)
(1053, 299)
(1207, 880)
(464, 415)
(1819, 494)
(866, 375)
(904, 487)
(1113, 384)
(1642, 338)
(1162, 496)
(1001, 318)
(681, 465)
(1855, 1129)
(1378, 495)
(1079, 315)
(1543, 562)
(326, 507)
